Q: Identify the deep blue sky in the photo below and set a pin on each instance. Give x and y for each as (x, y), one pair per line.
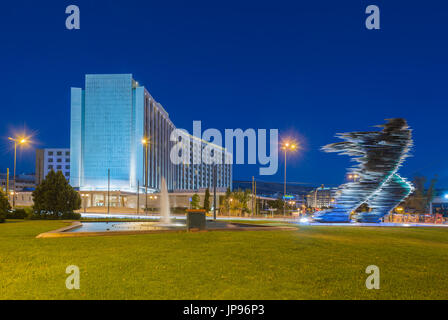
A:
(305, 67)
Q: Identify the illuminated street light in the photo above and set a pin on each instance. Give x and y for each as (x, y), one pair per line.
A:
(20, 141)
(287, 146)
(84, 197)
(145, 142)
(399, 209)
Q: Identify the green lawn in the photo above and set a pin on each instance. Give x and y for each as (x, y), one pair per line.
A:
(310, 263)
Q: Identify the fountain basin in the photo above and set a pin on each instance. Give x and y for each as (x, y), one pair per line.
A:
(125, 226)
(78, 229)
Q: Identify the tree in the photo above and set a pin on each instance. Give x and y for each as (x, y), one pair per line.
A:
(421, 197)
(207, 200)
(277, 204)
(364, 207)
(195, 201)
(55, 198)
(225, 202)
(241, 200)
(4, 206)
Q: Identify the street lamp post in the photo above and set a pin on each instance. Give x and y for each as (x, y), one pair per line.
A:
(215, 176)
(16, 141)
(287, 146)
(84, 200)
(145, 142)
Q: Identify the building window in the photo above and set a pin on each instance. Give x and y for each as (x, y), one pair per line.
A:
(50, 160)
(67, 167)
(50, 167)
(50, 153)
(67, 174)
(67, 159)
(67, 153)
(59, 167)
(59, 160)
(59, 153)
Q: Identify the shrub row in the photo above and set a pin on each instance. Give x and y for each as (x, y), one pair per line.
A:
(27, 213)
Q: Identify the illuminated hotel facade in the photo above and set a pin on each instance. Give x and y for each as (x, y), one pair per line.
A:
(110, 121)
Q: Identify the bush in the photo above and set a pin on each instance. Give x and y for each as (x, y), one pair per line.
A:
(4, 206)
(178, 210)
(51, 216)
(17, 214)
(71, 216)
(195, 199)
(207, 200)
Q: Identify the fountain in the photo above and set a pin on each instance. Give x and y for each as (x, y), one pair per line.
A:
(164, 204)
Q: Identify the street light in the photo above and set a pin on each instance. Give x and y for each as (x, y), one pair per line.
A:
(353, 176)
(20, 141)
(287, 146)
(145, 142)
(84, 200)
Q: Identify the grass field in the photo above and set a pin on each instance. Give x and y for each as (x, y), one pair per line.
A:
(310, 263)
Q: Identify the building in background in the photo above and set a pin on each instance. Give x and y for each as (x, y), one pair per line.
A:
(120, 140)
(321, 198)
(439, 204)
(56, 159)
(24, 182)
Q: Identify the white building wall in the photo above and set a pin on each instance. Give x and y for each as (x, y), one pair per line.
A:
(57, 159)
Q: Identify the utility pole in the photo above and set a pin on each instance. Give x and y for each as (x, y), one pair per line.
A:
(7, 182)
(146, 174)
(214, 191)
(84, 196)
(284, 190)
(14, 178)
(291, 146)
(253, 192)
(138, 195)
(108, 191)
(16, 141)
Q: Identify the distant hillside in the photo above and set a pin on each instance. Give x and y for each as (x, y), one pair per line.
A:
(273, 189)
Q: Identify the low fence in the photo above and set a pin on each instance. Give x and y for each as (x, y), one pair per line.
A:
(417, 218)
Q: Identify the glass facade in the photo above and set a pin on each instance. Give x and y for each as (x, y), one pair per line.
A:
(109, 119)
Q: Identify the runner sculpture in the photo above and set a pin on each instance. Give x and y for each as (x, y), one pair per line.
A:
(379, 155)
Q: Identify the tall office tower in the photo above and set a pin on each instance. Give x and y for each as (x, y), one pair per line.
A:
(118, 127)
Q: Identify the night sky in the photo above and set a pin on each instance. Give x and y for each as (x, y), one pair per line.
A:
(309, 68)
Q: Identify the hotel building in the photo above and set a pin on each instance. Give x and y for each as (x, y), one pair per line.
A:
(120, 140)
